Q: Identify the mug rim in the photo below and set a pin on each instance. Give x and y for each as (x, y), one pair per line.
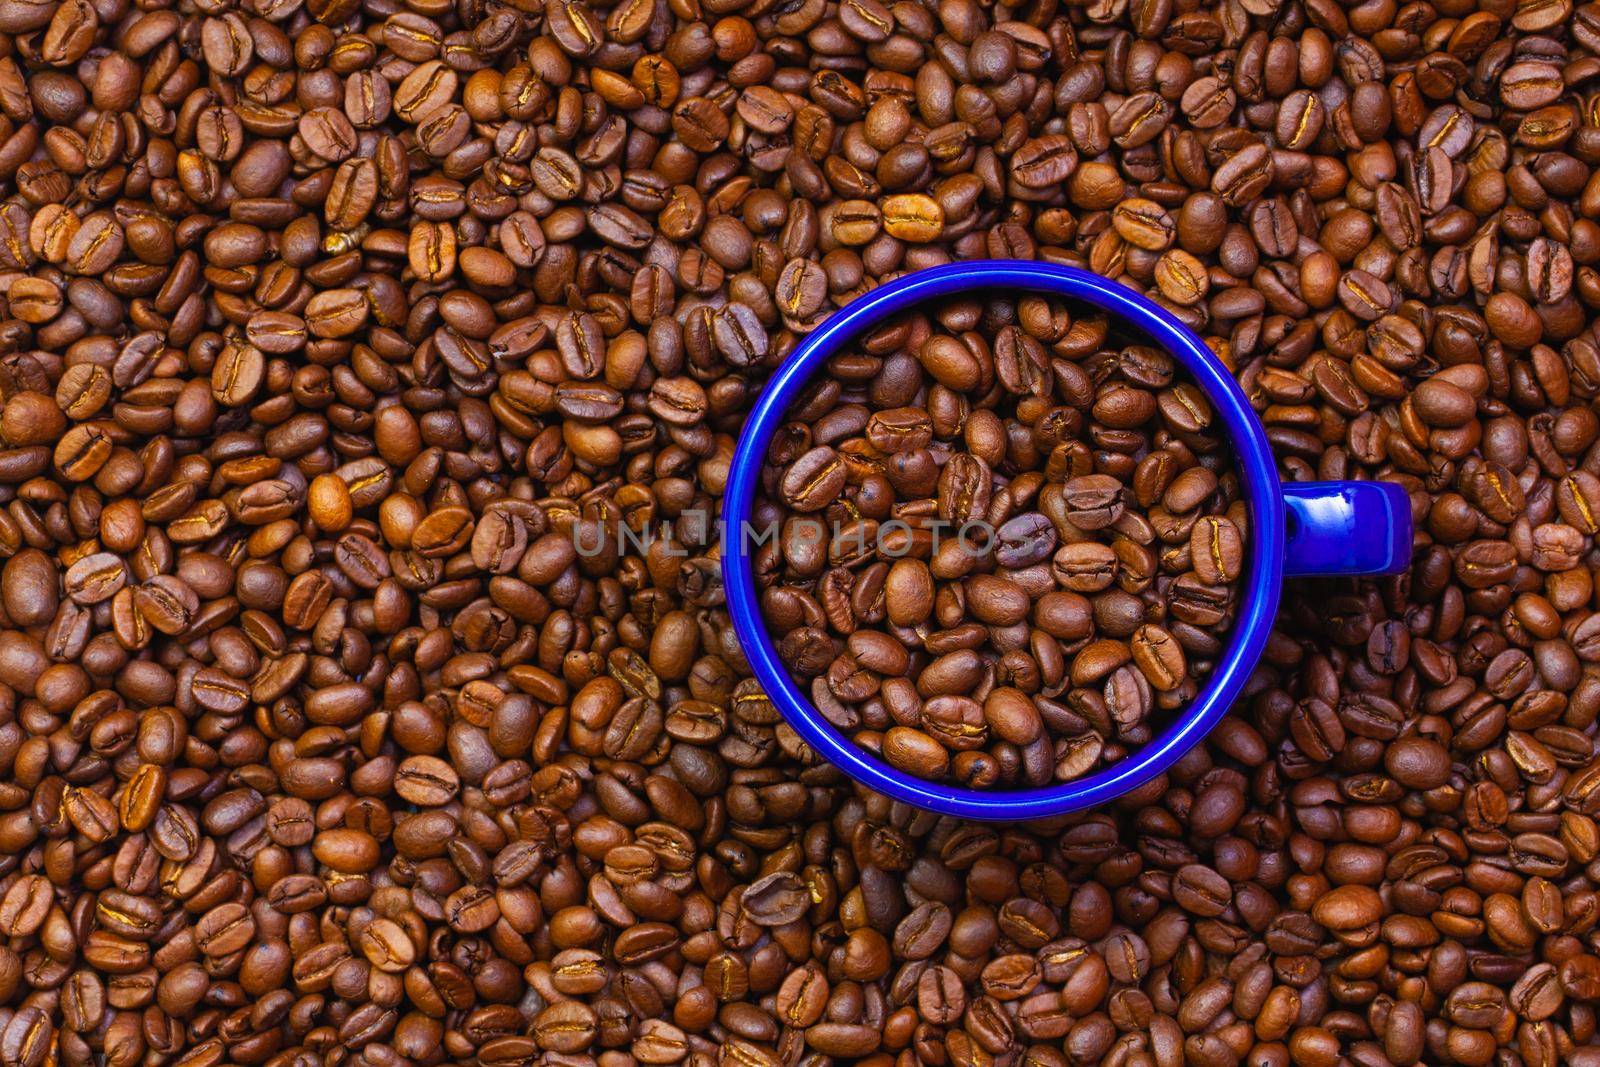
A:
(1259, 483)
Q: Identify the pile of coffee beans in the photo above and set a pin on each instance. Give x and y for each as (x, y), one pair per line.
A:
(994, 542)
(345, 347)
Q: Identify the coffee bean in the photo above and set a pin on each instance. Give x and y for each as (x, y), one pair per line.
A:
(1025, 540)
(1216, 550)
(814, 480)
(426, 781)
(1143, 224)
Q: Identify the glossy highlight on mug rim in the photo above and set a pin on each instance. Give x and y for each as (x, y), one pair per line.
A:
(1262, 494)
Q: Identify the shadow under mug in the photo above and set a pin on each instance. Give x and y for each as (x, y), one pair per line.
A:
(1306, 529)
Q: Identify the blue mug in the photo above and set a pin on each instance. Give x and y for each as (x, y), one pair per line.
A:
(1322, 529)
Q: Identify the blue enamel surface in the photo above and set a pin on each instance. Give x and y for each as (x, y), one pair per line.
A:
(1263, 497)
(1346, 528)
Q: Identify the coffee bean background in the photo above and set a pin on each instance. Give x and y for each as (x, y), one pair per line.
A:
(1000, 545)
(333, 329)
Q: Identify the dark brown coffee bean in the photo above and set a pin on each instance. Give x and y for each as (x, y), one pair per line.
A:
(1216, 549)
(426, 781)
(814, 480)
(1043, 162)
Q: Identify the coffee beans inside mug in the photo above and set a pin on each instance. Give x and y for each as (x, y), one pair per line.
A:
(999, 545)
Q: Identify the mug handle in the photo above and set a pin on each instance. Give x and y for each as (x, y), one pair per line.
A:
(1346, 528)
